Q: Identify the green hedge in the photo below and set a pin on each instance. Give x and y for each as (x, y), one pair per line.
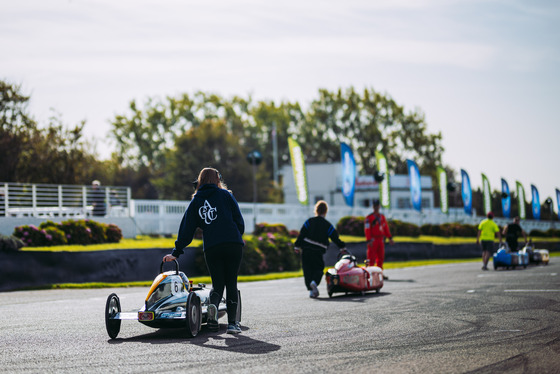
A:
(350, 225)
(354, 226)
(264, 253)
(80, 232)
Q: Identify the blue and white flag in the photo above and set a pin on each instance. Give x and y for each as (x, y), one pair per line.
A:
(466, 191)
(348, 173)
(415, 188)
(558, 201)
(506, 201)
(536, 203)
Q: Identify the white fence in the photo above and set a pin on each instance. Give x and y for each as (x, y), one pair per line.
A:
(20, 200)
(36, 202)
(164, 216)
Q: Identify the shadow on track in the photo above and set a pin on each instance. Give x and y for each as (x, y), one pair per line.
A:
(221, 340)
(353, 297)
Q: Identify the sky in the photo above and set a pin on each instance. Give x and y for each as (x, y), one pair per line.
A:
(485, 73)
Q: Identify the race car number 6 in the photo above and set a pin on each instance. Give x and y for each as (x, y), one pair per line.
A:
(175, 287)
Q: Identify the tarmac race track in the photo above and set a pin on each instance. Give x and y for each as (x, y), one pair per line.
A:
(434, 319)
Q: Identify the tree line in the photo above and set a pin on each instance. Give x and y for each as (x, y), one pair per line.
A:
(162, 143)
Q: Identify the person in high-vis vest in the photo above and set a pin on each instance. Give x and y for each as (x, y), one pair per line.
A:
(376, 230)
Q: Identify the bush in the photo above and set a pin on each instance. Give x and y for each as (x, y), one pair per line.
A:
(113, 233)
(350, 225)
(294, 233)
(253, 261)
(80, 232)
(553, 233)
(278, 251)
(97, 231)
(537, 234)
(403, 228)
(275, 228)
(77, 232)
(10, 243)
(32, 236)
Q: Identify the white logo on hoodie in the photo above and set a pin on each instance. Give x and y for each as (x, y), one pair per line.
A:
(207, 213)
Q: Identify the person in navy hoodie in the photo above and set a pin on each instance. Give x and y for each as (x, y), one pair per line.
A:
(214, 209)
(312, 243)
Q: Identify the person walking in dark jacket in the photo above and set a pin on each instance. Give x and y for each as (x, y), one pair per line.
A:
(512, 232)
(214, 210)
(312, 243)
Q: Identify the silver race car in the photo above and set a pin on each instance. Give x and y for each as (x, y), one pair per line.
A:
(172, 302)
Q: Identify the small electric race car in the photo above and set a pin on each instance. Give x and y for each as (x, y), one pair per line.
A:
(536, 256)
(171, 302)
(508, 259)
(347, 276)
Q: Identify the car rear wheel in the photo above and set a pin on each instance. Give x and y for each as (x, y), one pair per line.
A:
(194, 315)
(239, 307)
(112, 307)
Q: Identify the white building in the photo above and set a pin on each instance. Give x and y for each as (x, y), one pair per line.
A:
(325, 183)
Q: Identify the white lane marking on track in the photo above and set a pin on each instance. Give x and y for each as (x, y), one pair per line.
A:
(531, 290)
(470, 291)
(515, 274)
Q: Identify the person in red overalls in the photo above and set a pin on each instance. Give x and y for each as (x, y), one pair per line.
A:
(376, 230)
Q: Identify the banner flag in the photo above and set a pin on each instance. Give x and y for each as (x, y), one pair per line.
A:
(300, 175)
(558, 202)
(415, 188)
(506, 201)
(348, 173)
(384, 186)
(487, 194)
(443, 195)
(536, 202)
(521, 199)
(466, 191)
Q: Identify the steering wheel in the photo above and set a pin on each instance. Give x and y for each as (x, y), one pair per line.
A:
(176, 267)
(344, 253)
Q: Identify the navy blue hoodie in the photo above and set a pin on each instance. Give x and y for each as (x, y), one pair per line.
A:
(217, 213)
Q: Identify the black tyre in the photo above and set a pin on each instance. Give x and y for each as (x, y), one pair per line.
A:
(194, 315)
(239, 306)
(495, 266)
(112, 307)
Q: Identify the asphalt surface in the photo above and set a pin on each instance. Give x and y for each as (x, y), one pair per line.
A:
(433, 319)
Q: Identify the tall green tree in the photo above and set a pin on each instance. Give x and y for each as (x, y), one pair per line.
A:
(210, 144)
(54, 153)
(16, 124)
(368, 121)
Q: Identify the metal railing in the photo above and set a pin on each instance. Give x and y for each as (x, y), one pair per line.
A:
(72, 201)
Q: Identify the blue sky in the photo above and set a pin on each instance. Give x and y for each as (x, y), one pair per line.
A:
(485, 73)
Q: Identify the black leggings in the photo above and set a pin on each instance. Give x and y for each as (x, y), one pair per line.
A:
(313, 266)
(223, 263)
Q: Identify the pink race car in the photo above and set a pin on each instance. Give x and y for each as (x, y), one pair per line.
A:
(347, 276)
